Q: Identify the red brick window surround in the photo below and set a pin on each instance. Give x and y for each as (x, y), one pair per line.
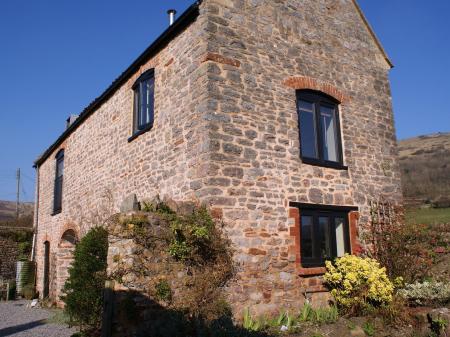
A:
(305, 82)
(295, 231)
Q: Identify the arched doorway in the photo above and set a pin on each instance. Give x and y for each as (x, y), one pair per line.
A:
(46, 287)
(66, 249)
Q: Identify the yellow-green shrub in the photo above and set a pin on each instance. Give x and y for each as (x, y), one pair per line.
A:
(358, 283)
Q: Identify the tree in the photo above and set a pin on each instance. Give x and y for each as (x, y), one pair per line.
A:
(87, 275)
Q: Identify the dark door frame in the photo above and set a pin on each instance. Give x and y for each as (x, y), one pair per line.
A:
(46, 288)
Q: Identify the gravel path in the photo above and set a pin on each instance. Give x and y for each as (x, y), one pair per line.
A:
(19, 321)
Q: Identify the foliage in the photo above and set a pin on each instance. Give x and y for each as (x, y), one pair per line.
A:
(191, 236)
(86, 280)
(23, 238)
(251, 324)
(427, 293)
(186, 247)
(358, 283)
(59, 317)
(405, 250)
(438, 325)
(24, 249)
(369, 328)
(393, 313)
(288, 322)
(163, 291)
(318, 315)
(28, 291)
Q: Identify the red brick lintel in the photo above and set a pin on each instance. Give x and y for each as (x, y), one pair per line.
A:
(305, 82)
(214, 57)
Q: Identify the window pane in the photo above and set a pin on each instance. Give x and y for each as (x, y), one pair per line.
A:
(57, 202)
(339, 226)
(142, 103)
(306, 106)
(328, 129)
(306, 236)
(150, 91)
(146, 102)
(307, 130)
(60, 167)
(324, 235)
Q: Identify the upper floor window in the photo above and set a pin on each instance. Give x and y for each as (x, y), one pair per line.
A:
(59, 173)
(144, 98)
(320, 139)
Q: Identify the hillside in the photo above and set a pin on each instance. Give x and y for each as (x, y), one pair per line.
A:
(8, 213)
(425, 167)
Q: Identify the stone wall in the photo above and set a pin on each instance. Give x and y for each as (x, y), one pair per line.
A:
(262, 51)
(226, 133)
(9, 254)
(102, 167)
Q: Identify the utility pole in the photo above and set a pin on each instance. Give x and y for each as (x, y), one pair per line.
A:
(18, 195)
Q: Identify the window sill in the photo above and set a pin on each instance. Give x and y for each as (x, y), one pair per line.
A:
(312, 271)
(56, 212)
(328, 164)
(140, 132)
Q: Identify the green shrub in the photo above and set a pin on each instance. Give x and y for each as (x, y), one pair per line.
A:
(358, 283)
(163, 291)
(369, 328)
(427, 293)
(86, 280)
(438, 325)
(24, 249)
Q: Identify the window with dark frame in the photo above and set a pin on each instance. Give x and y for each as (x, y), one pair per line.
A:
(318, 119)
(144, 98)
(59, 173)
(324, 235)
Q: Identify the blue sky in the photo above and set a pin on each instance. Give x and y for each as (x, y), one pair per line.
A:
(58, 55)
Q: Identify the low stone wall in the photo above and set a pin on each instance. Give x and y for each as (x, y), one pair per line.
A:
(169, 263)
(9, 252)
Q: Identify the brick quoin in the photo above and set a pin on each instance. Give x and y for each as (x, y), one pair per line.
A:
(305, 82)
(220, 59)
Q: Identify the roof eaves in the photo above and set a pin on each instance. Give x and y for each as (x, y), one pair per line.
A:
(182, 22)
(372, 32)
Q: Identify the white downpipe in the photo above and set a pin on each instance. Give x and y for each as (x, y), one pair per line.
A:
(36, 215)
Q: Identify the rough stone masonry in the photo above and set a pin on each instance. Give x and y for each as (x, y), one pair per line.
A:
(226, 134)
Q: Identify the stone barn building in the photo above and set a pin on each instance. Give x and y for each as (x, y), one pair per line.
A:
(276, 114)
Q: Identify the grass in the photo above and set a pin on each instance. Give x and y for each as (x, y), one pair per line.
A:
(59, 317)
(428, 215)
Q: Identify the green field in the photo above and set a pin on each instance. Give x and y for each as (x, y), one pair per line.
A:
(428, 215)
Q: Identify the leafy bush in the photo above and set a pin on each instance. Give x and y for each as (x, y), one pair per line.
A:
(427, 293)
(358, 283)
(405, 250)
(86, 280)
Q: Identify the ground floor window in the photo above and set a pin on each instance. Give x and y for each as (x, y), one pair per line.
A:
(324, 235)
